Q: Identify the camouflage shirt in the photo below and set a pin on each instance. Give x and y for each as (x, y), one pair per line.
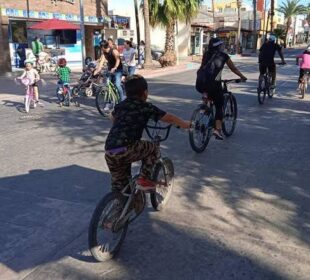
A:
(130, 118)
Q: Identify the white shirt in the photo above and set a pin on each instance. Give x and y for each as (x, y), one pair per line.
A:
(32, 75)
(129, 56)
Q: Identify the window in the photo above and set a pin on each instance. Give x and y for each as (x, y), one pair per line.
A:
(18, 31)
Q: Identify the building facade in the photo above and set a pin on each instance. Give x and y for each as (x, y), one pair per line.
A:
(17, 16)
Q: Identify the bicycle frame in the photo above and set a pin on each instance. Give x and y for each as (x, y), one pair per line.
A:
(131, 186)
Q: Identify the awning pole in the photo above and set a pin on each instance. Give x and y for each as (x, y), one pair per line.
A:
(82, 32)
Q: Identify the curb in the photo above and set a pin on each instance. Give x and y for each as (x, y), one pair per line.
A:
(170, 71)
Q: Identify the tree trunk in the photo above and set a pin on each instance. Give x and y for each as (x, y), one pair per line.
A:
(147, 35)
(169, 58)
(288, 24)
(137, 29)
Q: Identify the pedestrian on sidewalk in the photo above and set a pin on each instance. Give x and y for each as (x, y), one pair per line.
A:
(129, 57)
(142, 51)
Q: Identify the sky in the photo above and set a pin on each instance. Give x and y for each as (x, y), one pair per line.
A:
(125, 4)
(117, 4)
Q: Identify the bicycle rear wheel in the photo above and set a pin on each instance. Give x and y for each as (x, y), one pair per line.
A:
(163, 176)
(230, 115)
(105, 236)
(261, 91)
(201, 129)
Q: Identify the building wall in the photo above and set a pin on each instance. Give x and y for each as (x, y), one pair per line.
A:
(91, 7)
(158, 34)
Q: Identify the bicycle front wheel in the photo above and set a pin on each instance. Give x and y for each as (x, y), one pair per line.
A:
(230, 115)
(27, 103)
(163, 176)
(201, 130)
(105, 103)
(105, 235)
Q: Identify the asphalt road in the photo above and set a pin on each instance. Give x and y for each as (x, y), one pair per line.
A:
(240, 210)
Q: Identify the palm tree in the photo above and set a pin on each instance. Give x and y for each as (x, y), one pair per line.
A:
(291, 9)
(147, 35)
(166, 13)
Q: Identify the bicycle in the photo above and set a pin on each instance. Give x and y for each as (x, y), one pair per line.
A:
(203, 118)
(304, 84)
(113, 214)
(66, 96)
(29, 98)
(107, 98)
(265, 86)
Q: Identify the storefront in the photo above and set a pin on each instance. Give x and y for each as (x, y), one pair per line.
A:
(19, 37)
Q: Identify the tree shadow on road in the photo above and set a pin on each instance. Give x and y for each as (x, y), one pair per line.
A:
(44, 211)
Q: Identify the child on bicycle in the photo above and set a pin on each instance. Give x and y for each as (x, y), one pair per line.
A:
(63, 73)
(124, 145)
(304, 65)
(33, 75)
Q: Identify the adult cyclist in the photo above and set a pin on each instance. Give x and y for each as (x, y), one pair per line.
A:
(111, 56)
(266, 56)
(215, 58)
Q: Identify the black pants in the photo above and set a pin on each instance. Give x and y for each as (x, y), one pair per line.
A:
(263, 67)
(215, 93)
(301, 73)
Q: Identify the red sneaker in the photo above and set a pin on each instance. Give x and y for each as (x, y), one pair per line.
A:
(145, 185)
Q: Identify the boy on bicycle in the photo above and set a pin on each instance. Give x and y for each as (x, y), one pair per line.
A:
(124, 145)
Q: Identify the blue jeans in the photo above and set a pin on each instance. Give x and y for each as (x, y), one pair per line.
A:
(116, 78)
(131, 70)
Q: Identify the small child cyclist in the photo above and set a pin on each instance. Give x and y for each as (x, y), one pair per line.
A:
(304, 65)
(33, 75)
(124, 145)
(63, 73)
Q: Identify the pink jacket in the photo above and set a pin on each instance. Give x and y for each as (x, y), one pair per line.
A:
(304, 63)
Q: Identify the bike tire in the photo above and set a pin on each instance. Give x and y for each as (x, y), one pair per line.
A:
(261, 95)
(27, 102)
(303, 90)
(230, 111)
(270, 91)
(103, 99)
(103, 252)
(205, 129)
(161, 196)
(261, 90)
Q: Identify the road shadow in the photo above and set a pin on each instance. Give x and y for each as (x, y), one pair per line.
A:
(43, 211)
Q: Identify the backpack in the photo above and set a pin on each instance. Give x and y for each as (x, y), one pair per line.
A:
(206, 75)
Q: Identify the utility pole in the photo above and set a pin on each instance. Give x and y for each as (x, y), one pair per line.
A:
(28, 9)
(238, 43)
(271, 15)
(137, 28)
(254, 26)
(213, 15)
(82, 26)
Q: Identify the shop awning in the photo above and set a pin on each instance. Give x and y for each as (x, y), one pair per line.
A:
(54, 24)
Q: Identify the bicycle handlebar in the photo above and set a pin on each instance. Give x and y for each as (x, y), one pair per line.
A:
(155, 135)
(237, 81)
